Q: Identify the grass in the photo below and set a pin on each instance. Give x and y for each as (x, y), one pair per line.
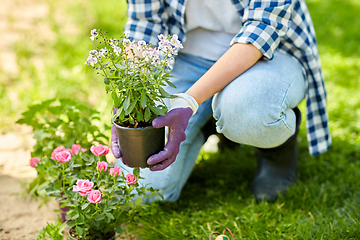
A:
(323, 204)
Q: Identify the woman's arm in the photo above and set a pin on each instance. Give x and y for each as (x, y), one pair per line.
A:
(239, 58)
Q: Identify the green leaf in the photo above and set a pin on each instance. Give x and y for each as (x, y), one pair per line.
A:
(118, 112)
(143, 100)
(100, 217)
(118, 229)
(81, 220)
(164, 93)
(109, 215)
(138, 201)
(40, 135)
(104, 65)
(139, 116)
(136, 172)
(71, 223)
(126, 102)
(156, 110)
(122, 115)
(75, 217)
(147, 114)
(131, 107)
(170, 83)
(79, 230)
(115, 98)
(85, 205)
(131, 120)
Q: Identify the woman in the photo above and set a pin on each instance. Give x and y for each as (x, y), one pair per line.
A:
(246, 63)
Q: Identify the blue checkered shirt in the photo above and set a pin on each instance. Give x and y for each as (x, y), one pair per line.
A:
(269, 25)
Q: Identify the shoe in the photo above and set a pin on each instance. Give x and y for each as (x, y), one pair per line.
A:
(277, 167)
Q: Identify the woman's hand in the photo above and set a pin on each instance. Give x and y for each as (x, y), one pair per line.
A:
(177, 119)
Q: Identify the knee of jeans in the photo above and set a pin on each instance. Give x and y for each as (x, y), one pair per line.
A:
(259, 127)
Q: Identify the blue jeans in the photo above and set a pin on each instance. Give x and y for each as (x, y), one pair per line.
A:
(255, 109)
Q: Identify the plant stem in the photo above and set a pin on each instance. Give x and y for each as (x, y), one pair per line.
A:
(63, 172)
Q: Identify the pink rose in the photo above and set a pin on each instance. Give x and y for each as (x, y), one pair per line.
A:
(56, 150)
(94, 196)
(130, 178)
(83, 187)
(63, 156)
(99, 150)
(75, 148)
(115, 171)
(83, 149)
(102, 166)
(34, 162)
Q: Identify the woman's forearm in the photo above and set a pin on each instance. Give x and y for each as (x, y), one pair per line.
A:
(239, 58)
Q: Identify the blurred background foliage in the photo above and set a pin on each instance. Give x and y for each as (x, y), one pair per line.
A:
(51, 51)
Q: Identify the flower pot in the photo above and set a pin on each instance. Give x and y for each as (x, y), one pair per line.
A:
(138, 144)
(72, 235)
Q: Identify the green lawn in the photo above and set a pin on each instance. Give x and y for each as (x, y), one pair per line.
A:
(323, 204)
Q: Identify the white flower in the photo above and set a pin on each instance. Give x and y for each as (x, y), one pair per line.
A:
(164, 45)
(126, 42)
(103, 51)
(132, 45)
(91, 60)
(94, 34)
(140, 45)
(156, 60)
(117, 50)
(161, 36)
(94, 52)
(173, 51)
(113, 41)
(175, 41)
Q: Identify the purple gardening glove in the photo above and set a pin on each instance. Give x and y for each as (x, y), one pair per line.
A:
(114, 141)
(177, 120)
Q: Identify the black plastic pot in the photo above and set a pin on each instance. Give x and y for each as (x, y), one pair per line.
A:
(138, 144)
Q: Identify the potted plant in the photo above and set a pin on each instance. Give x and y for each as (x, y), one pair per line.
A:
(102, 199)
(134, 75)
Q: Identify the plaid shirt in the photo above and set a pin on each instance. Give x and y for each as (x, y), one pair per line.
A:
(269, 25)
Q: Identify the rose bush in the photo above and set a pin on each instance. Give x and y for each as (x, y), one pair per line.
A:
(101, 198)
(58, 125)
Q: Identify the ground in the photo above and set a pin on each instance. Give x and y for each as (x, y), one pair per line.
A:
(21, 217)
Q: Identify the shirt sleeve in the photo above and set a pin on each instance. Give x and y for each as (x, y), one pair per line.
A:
(264, 23)
(146, 20)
